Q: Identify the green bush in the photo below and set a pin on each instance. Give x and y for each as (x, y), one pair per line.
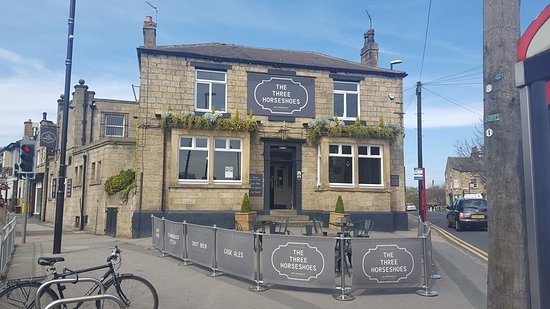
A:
(124, 182)
(245, 205)
(339, 205)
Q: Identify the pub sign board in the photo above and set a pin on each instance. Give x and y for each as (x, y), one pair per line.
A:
(298, 261)
(270, 94)
(389, 263)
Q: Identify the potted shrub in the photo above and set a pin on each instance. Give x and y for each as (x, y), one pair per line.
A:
(245, 215)
(338, 213)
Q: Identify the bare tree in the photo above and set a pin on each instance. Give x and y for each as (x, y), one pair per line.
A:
(474, 150)
(435, 195)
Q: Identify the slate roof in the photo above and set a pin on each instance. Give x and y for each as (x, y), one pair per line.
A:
(222, 52)
(462, 164)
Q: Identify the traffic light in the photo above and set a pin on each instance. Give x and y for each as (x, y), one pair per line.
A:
(26, 157)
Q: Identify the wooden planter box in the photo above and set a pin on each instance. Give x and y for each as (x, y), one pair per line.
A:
(334, 218)
(242, 220)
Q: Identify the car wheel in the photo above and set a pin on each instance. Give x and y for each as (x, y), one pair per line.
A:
(458, 227)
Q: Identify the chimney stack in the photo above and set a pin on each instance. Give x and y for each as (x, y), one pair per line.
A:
(28, 130)
(369, 52)
(149, 32)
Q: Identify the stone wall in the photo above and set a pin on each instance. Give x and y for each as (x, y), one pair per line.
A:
(168, 84)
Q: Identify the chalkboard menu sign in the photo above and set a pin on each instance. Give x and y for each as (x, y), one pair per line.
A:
(256, 184)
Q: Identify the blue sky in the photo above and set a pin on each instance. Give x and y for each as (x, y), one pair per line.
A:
(34, 41)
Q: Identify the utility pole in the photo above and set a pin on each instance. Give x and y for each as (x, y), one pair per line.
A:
(508, 284)
(421, 182)
(60, 197)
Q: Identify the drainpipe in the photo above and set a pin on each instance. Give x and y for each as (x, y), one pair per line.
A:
(162, 199)
(45, 182)
(83, 198)
(140, 204)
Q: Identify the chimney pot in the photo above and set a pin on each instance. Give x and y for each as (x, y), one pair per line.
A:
(369, 52)
(149, 32)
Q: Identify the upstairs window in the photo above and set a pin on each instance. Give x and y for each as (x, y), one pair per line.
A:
(346, 100)
(210, 91)
(114, 124)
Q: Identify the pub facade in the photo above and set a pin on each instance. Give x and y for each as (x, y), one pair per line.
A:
(292, 129)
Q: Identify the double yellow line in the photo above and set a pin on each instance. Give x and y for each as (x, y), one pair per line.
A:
(476, 251)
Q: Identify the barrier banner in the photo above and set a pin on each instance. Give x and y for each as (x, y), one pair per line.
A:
(386, 263)
(158, 233)
(235, 253)
(174, 240)
(200, 244)
(304, 261)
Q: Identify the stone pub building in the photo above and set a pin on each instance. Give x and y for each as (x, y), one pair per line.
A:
(294, 129)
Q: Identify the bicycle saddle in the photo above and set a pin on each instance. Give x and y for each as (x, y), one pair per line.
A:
(49, 261)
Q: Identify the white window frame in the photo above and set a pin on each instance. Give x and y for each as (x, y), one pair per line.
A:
(228, 149)
(195, 148)
(319, 155)
(345, 93)
(210, 83)
(370, 156)
(341, 154)
(106, 126)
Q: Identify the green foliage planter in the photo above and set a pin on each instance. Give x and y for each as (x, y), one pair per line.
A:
(337, 214)
(334, 127)
(339, 205)
(209, 121)
(245, 205)
(244, 217)
(123, 182)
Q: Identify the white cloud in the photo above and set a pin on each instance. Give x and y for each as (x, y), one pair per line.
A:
(443, 117)
(17, 63)
(34, 90)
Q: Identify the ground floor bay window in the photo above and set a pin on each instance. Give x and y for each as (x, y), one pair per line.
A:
(204, 159)
(351, 165)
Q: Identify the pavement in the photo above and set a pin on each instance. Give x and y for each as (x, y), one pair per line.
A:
(463, 283)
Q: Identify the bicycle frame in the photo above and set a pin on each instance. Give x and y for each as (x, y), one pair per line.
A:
(95, 289)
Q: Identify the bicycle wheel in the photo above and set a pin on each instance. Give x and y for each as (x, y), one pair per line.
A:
(137, 292)
(23, 294)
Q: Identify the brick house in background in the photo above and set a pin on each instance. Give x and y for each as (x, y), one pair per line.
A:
(462, 175)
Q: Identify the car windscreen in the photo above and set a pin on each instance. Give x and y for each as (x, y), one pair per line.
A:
(480, 205)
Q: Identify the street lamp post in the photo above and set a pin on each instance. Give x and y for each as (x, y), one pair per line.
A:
(60, 197)
(397, 61)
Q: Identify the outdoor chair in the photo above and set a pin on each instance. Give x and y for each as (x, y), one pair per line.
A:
(282, 228)
(363, 230)
(318, 228)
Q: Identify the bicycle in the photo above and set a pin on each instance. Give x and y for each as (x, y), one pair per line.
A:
(134, 291)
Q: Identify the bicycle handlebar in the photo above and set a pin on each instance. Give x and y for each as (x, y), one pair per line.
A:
(115, 253)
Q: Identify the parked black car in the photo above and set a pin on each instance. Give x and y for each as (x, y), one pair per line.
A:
(468, 213)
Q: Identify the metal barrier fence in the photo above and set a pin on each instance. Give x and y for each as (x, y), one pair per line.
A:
(304, 261)
(7, 245)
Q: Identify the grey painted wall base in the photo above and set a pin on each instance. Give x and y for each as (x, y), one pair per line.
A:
(141, 222)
